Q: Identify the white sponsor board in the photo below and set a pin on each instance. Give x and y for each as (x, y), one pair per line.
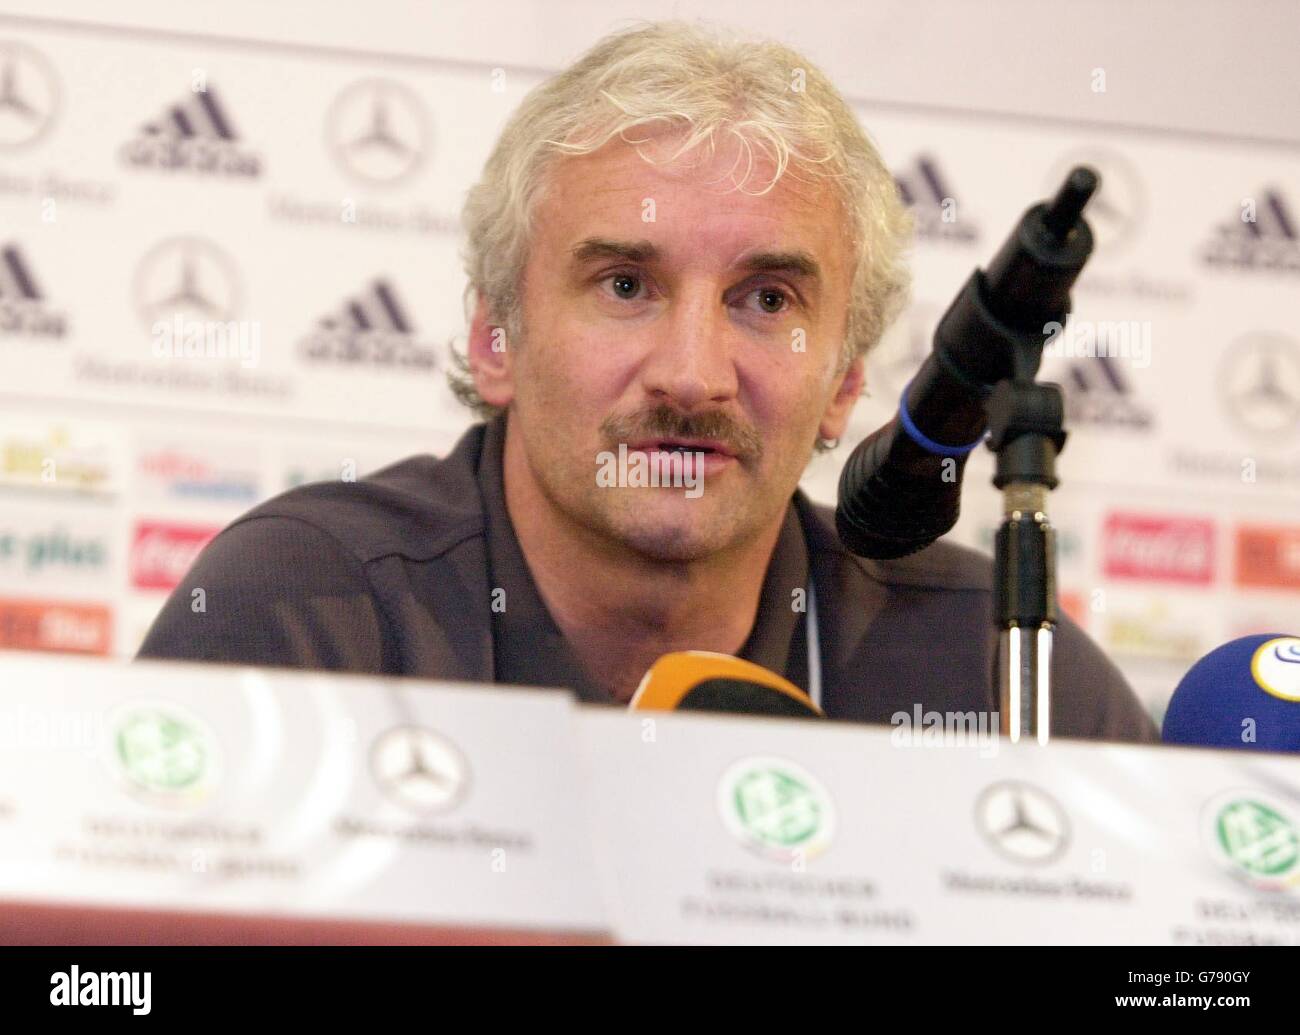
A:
(255, 791)
(274, 793)
(722, 830)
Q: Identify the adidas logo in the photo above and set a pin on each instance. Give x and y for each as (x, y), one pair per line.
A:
(374, 309)
(196, 134)
(371, 328)
(1097, 392)
(1264, 235)
(934, 206)
(16, 280)
(199, 116)
(23, 308)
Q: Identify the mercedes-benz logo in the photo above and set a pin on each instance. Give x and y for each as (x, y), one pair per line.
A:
(419, 769)
(1117, 210)
(186, 276)
(29, 95)
(378, 130)
(1261, 383)
(1022, 822)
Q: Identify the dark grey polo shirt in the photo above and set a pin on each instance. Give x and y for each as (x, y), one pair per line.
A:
(394, 574)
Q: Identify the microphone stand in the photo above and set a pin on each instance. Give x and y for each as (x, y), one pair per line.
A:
(1025, 422)
(980, 375)
(1025, 431)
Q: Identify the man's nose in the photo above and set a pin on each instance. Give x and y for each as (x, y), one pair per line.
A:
(691, 362)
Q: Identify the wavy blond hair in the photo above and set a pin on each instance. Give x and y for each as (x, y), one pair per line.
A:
(708, 82)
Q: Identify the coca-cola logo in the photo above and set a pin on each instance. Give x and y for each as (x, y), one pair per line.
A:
(161, 553)
(1172, 549)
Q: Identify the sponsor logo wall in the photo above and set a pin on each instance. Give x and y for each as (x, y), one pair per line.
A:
(226, 270)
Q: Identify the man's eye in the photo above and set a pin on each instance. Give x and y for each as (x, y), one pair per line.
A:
(625, 285)
(773, 300)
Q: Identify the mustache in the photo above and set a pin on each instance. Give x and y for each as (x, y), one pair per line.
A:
(667, 423)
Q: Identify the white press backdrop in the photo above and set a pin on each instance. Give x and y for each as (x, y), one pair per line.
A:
(299, 171)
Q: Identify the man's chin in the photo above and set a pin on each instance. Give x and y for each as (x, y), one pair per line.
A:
(674, 529)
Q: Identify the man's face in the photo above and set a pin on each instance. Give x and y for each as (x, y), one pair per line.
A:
(654, 321)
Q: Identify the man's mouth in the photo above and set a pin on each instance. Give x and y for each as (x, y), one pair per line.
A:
(692, 459)
(707, 446)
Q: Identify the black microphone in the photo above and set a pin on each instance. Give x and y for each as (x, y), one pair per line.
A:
(900, 490)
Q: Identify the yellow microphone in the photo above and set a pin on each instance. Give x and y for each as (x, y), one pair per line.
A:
(703, 681)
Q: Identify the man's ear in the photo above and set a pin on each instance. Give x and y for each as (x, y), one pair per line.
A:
(490, 358)
(836, 418)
